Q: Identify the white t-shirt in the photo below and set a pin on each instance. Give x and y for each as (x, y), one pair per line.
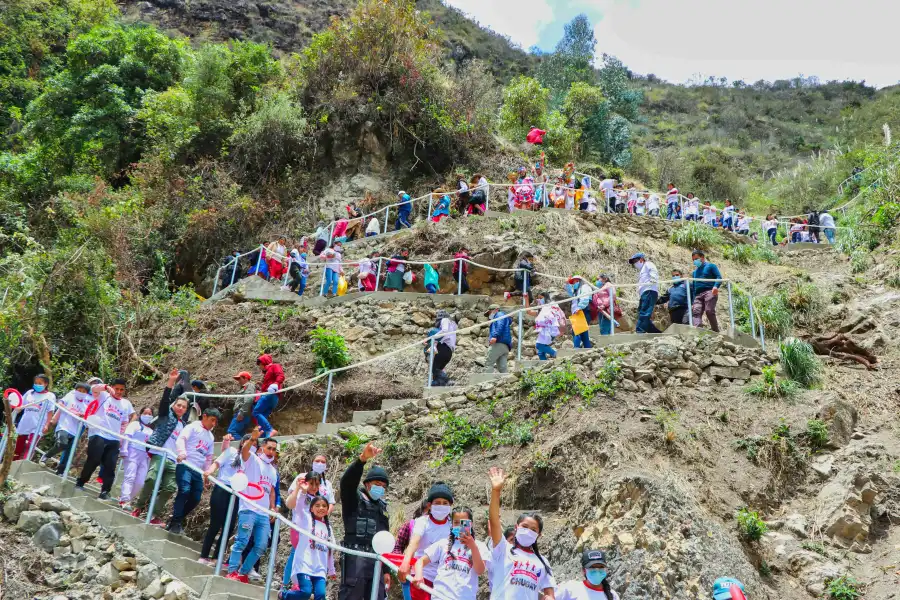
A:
(312, 557)
(139, 432)
(170, 443)
(196, 442)
(640, 206)
(709, 215)
(263, 474)
(767, 225)
(430, 532)
(76, 402)
(325, 488)
(692, 206)
(373, 226)
(577, 590)
(607, 186)
(728, 212)
(456, 576)
(653, 202)
(225, 469)
(111, 414)
(672, 196)
(34, 417)
(743, 223)
(517, 574)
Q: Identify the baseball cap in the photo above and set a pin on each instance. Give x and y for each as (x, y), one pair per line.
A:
(590, 558)
(244, 374)
(722, 588)
(636, 257)
(492, 308)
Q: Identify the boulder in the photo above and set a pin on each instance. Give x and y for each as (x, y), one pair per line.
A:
(846, 502)
(16, 505)
(730, 372)
(724, 361)
(32, 520)
(155, 589)
(841, 418)
(146, 575)
(47, 536)
(53, 504)
(176, 590)
(108, 574)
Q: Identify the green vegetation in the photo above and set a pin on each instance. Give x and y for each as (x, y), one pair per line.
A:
(353, 445)
(843, 588)
(816, 433)
(817, 547)
(668, 420)
(459, 434)
(330, 350)
(745, 254)
(267, 345)
(696, 235)
(548, 389)
(771, 386)
(800, 362)
(751, 526)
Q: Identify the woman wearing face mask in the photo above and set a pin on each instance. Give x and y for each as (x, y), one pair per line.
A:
(137, 461)
(66, 424)
(519, 570)
(595, 585)
(461, 560)
(428, 529)
(36, 405)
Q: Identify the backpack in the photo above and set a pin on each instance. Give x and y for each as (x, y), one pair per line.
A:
(813, 218)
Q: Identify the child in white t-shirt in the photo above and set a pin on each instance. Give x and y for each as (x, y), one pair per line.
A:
(461, 560)
(313, 561)
(595, 585)
(428, 529)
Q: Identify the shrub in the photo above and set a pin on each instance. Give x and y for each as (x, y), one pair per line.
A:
(524, 106)
(843, 588)
(270, 139)
(547, 389)
(751, 526)
(800, 362)
(739, 253)
(330, 350)
(696, 235)
(859, 261)
(774, 315)
(816, 433)
(763, 252)
(771, 386)
(803, 298)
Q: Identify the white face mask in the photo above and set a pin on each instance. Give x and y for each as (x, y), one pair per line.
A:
(319, 467)
(266, 459)
(440, 511)
(526, 537)
(146, 419)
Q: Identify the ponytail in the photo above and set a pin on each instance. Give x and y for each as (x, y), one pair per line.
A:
(236, 463)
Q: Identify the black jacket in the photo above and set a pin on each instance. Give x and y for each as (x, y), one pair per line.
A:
(362, 516)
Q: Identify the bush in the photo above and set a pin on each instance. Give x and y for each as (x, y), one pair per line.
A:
(774, 315)
(763, 252)
(524, 106)
(547, 389)
(803, 298)
(272, 138)
(859, 261)
(330, 350)
(799, 361)
(696, 235)
(739, 253)
(751, 526)
(843, 588)
(771, 386)
(816, 433)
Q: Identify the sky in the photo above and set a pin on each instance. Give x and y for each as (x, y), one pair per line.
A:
(683, 40)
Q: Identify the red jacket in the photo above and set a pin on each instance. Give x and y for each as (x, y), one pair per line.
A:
(535, 136)
(272, 372)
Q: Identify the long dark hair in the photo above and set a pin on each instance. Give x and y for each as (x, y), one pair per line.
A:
(452, 538)
(534, 546)
(236, 463)
(316, 499)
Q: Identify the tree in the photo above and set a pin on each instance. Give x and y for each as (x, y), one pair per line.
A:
(571, 61)
(524, 107)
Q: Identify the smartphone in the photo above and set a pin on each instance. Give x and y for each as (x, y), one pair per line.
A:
(465, 526)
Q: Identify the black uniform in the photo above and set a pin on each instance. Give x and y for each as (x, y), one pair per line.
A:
(363, 518)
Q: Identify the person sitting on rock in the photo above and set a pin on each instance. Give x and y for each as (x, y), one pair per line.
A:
(676, 298)
(595, 583)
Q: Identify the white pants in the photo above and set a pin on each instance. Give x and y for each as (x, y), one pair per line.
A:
(135, 467)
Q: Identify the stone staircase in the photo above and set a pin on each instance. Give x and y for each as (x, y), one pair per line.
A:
(176, 554)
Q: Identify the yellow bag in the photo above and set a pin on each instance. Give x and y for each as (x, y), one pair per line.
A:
(342, 286)
(579, 323)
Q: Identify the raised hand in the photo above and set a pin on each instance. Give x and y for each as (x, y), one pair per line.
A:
(497, 477)
(369, 452)
(173, 376)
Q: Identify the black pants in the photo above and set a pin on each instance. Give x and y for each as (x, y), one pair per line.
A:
(465, 282)
(442, 356)
(103, 453)
(678, 314)
(218, 510)
(814, 233)
(356, 578)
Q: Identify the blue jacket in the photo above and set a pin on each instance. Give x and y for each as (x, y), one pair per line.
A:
(501, 329)
(705, 271)
(676, 296)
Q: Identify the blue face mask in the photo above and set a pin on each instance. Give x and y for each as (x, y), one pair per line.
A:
(39, 388)
(595, 576)
(456, 531)
(676, 279)
(376, 492)
(697, 262)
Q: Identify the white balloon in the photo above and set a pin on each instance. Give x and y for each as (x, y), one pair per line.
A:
(239, 482)
(383, 542)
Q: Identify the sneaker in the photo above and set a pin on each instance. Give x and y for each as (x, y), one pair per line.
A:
(158, 522)
(79, 487)
(43, 461)
(506, 295)
(235, 576)
(136, 513)
(206, 561)
(103, 496)
(254, 575)
(175, 528)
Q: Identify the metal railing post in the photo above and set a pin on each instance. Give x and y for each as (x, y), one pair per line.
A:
(327, 397)
(331, 235)
(430, 205)
(752, 316)
(223, 538)
(72, 447)
(730, 308)
(216, 281)
(387, 212)
(376, 581)
(237, 260)
(378, 275)
(259, 259)
(612, 313)
(521, 315)
(271, 569)
(687, 284)
(36, 436)
(762, 336)
(322, 287)
(156, 484)
(7, 431)
(431, 362)
(487, 198)
(459, 278)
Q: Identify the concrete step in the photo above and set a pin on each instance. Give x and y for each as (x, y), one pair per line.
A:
(163, 549)
(230, 597)
(395, 402)
(521, 365)
(214, 586)
(569, 352)
(189, 571)
(430, 392)
(331, 428)
(361, 416)
(479, 378)
(138, 535)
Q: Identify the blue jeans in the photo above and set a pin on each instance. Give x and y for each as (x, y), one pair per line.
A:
(402, 221)
(726, 223)
(262, 409)
(795, 237)
(331, 280)
(645, 312)
(772, 233)
(671, 212)
(605, 326)
(190, 490)
(302, 287)
(545, 350)
(829, 233)
(238, 428)
(690, 218)
(582, 340)
(286, 580)
(431, 288)
(308, 585)
(249, 524)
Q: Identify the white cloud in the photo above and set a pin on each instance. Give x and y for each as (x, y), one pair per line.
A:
(765, 39)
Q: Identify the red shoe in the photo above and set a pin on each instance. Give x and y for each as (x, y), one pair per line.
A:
(136, 513)
(158, 522)
(235, 576)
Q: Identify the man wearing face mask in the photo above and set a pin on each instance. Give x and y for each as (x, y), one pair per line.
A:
(364, 512)
(648, 291)
(111, 417)
(705, 293)
(431, 527)
(595, 585)
(676, 297)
